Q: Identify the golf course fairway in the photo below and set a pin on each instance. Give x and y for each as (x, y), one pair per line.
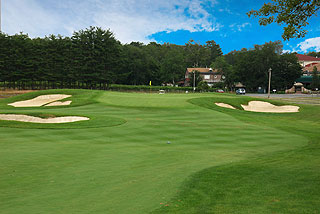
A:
(159, 153)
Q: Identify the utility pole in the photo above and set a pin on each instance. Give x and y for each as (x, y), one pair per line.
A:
(194, 80)
(269, 82)
(194, 76)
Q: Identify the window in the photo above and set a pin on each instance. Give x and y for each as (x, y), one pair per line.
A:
(206, 77)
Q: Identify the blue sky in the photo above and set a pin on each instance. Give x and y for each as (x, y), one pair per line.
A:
(173, 21)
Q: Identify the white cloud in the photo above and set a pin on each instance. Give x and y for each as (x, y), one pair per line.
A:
(130, 20)
(312, 43)
(242, 26)
(226, 10)
(136, 19)
(239, 27)
(287, 51)
(26, 16)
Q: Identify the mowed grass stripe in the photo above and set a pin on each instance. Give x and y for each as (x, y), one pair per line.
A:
(128, 168)
(276, 182)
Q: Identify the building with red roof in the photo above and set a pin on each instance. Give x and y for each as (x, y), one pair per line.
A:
(306, 61)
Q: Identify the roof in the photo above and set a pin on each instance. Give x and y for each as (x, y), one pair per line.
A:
(201, 70)
(239, 85)
(298, 84)
(302, 57)
(310, 68)
(304, 79)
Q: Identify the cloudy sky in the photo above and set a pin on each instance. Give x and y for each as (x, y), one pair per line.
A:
(173, 21)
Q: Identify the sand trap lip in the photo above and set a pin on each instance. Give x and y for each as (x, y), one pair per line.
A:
(32, 119)
(58, 103)
(260, 106)
(40, 100)
(224, 105)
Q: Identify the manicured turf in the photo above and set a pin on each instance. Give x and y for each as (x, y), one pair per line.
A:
(219, 160)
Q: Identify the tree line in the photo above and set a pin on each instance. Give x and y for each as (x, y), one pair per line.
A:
(250, 67)
(314, 54)
(93, 58)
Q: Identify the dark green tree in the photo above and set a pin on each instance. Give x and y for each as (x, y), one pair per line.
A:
(314, 54)
(197, 55)
(96, 56)
(232, 56)
(226, 71)
(285, 71)
(93, 58)
(203, 86)
(315, 79)
(172, 66)
(214, 49)
(135, 63)
(19, 64)
(5, 52)
(251, 67)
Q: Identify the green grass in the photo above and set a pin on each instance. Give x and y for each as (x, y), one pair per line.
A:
(219, 160)
(80, 98)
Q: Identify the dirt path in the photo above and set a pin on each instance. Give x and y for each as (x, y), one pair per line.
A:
(11, 93)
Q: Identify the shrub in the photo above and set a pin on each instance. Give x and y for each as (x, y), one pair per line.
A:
(203, 86)
(146, 88)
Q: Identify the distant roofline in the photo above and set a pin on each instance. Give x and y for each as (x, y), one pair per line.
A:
(302, 57)
(202, 70)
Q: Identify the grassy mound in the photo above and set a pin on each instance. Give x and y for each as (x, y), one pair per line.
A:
(281, 182)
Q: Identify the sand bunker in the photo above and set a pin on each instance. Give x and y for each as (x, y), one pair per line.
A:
(224, 105)
(58, 103)
(259, 106)
(41, 100)
(32, 119)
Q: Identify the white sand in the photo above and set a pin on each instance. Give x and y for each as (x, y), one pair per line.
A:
(40, 100)
(58, 103)
(259, 106)
(224, 105)
(32, 119)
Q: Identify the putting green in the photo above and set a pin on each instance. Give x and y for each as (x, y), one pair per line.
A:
(128, 168)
